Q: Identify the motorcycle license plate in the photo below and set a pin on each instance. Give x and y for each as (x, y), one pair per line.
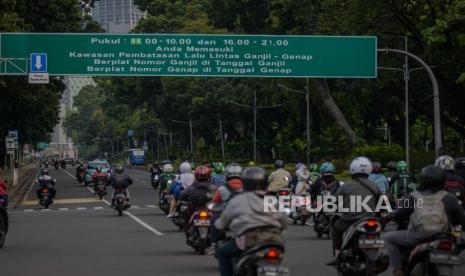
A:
(202, 222)
(269, 270)
(370, 243)
(441, 258)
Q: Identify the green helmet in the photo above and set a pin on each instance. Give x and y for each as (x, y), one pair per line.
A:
(218, 167)
(313, 167)
(401, 166)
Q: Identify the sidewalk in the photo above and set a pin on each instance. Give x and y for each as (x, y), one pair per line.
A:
(26, 173)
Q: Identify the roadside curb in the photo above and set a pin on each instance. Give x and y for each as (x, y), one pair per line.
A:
(18, 192)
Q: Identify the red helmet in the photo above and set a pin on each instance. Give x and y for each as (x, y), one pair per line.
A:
(203, 173)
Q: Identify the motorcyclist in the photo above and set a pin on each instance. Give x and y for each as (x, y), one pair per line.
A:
(198, 194)
(184, 180)
(223, 194)
(378, 178)
(155, 170)
(327, 181)
(99, 175)
(3, 194)
(303, 178)
(358, 186)
(251, 164)
(218, 178)
(166, 175)
(454, 183)
(45, 181)
(401, 180)
(246, 220)
(391, 169)
(279, 179)
(78, 168)
(120, 180)
(432, 181)
(314, 172)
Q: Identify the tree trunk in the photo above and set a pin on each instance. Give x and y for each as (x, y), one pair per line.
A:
(323, 89)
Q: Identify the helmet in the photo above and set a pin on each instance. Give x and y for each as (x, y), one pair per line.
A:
(432, 177)
(44, 172)
(376, 167)
(119, 169)
(279, 164)
(185, 167)
(445, 162)
(313, 167)
(254, 178)
(218, 167)
(391, 165)
(401, 166)
(459, 163)
(233, 170)
(168, 168)
(360, 165)
(299, 165)
(203, 173)
(251, 163)
(327, 167)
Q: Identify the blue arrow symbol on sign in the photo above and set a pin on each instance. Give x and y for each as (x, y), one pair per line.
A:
(39, 63)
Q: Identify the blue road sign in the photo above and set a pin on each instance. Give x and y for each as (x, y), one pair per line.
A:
(38, 63)
(130, 132)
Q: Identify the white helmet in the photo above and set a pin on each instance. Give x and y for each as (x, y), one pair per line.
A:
(168, 168)
(185, 167)
(361, 165)
(445, 162)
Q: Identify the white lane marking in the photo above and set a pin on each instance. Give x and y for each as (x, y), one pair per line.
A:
(30, 187)
(151, 206)
(148, 227)
(81, 208)
(98, 208)
(135, 207)
(63, 209)
(28, 210)
(46, 210)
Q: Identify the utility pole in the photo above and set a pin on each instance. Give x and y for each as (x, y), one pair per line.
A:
(222, 138)
(306, 93)
(407, 126)
(255, 109)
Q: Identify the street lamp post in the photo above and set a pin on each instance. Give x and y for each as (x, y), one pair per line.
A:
(306, 93)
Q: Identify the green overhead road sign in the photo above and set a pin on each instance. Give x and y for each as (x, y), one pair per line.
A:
(192, 55)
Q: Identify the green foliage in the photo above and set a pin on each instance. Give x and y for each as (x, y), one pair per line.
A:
(380, 153)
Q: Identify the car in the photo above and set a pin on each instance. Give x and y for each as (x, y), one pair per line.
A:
(91, 168)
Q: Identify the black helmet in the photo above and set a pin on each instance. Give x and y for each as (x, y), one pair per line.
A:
(460, 163)
(391, 165)
(433, 177)
(233, 170)
(279, 164)
(44, 172)
(254, 178)
(119, 169)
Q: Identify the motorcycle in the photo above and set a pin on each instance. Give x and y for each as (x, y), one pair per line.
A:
(155, 181)
(181, 214)
(46, 198)
(198, 234)
(121, 201)
(80, 175)
(322, 221)
(101, 190)
(63, 165)
(165, 199)
(3, 223)
(301, 214)
(56, 166)
(361, 249)
(434, 256)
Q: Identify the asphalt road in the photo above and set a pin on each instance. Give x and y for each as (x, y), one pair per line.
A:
(81, 235)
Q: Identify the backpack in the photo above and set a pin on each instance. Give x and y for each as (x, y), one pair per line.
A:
(430, 217)
(119, 181)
